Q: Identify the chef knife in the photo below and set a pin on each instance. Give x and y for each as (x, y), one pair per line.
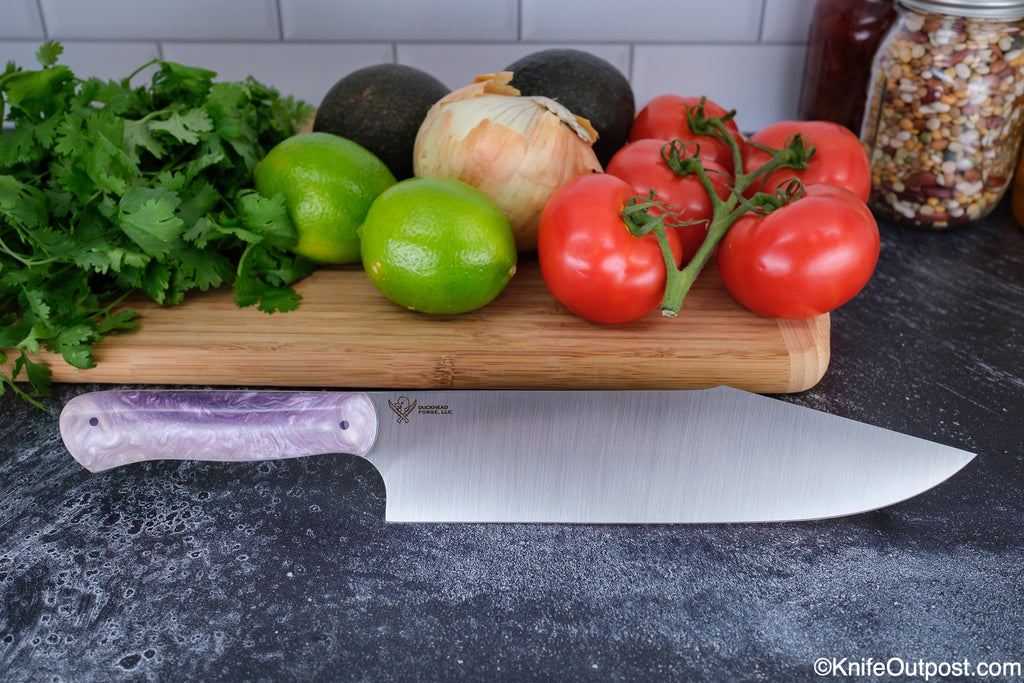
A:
(712, 455)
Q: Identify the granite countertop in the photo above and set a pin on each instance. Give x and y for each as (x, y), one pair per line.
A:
(286, 571)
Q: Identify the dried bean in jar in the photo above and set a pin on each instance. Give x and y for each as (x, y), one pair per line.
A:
(945, 112)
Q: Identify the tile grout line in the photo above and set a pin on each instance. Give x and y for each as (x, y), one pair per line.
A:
(42, 19)
(280, 21)
(760, 23)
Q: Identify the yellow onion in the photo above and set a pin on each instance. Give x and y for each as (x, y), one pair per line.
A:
(516, 149)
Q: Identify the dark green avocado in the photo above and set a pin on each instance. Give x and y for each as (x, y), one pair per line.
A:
(587, 85)
(381, 108)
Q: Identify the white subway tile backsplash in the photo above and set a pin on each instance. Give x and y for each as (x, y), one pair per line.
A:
(20, 19)
(642, 21)
(161, 19)
(457, 65)
(304, 70)
(397, 20)
(786, 21)
(747, 53)
(762, 82)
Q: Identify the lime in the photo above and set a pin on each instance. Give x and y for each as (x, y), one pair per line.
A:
(437, 245)
(328, 183)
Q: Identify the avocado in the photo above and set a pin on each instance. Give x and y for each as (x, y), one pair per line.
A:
(587, 85)
(381, 108)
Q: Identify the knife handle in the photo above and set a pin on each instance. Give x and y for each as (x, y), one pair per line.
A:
(106, 429)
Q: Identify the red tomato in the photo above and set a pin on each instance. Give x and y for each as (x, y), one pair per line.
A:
(590, 260)
(642, 165)
(804, 259)
(664, 118)
(839, 157)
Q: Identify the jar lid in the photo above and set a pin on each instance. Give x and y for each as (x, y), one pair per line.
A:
(985, 9)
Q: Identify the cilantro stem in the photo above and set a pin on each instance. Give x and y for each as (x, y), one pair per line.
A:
(127, 80)
(25, 261)
(11, 382)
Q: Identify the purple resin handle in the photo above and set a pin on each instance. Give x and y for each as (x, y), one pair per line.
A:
(107, 429)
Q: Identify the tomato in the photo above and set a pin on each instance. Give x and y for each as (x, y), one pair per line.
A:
(642, 165)
(664, 118)
(839, 157)
(590, 260)
(806, 258)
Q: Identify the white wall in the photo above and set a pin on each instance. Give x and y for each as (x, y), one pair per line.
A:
(745, 54)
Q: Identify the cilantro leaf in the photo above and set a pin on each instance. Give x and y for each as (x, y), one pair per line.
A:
(21, 204)
(16, 146)
(138, 135)
(263, 278)
(185, 127)
(34, 94)
(73, 342)
(37, 375)
(49, 52)
(147, 216)
(268, 218)
(124, 319)
(105, 161)
(156, 281)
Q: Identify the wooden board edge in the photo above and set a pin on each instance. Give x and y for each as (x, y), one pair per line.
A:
(810, 350)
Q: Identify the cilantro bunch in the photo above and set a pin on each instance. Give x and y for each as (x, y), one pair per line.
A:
(109, 190)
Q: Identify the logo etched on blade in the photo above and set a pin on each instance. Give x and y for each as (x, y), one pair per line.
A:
(402, 408)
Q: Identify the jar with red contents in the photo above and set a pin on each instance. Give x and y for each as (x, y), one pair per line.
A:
(945, 116)
(841, 45)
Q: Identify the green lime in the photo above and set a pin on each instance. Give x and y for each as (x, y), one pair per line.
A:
(328, 183)
(438, 245)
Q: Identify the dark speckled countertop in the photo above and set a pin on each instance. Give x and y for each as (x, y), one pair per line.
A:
(285, 571)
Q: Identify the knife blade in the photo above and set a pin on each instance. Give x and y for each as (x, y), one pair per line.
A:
(704, 456)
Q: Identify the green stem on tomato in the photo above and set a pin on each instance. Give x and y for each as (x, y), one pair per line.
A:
(637, 217)
(725, 212)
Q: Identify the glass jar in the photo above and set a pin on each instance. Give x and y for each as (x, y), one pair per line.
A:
(841, 44)
(945, 112)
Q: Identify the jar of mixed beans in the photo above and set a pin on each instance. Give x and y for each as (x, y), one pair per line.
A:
(945, 110)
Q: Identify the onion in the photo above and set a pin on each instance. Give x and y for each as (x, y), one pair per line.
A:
(516, 149)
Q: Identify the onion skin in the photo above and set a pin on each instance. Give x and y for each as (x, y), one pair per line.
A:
(517, 150)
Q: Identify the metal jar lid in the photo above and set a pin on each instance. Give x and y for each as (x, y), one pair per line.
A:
(983, 9)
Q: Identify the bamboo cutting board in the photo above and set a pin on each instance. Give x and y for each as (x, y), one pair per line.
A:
(346, 334)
